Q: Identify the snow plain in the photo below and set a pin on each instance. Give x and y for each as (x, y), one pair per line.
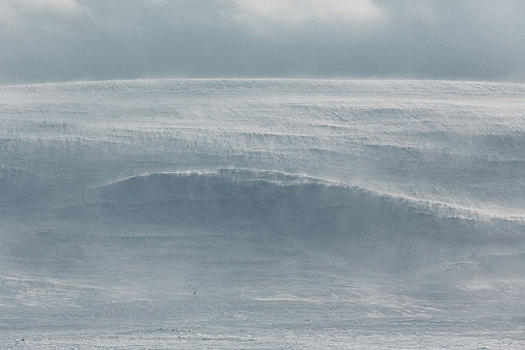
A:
(239, 214)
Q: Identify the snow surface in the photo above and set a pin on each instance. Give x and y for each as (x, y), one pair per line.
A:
(270, 214)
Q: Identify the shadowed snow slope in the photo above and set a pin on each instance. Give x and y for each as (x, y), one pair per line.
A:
(262, 214)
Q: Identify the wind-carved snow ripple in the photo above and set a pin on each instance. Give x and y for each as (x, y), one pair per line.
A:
(276, 202)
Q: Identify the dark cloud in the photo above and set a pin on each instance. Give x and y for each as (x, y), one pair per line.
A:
(51, 40)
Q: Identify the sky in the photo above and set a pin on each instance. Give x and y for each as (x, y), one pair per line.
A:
(65, 40)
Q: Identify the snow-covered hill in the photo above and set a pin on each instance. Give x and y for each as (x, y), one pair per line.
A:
(262, 214)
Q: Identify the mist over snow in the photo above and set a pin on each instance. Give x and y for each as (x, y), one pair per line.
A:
(262, 213)
(241, 174)
(59, 40)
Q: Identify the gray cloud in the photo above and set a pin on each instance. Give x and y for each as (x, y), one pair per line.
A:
(52, 40)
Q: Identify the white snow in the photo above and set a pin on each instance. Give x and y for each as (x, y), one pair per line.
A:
(262, 214)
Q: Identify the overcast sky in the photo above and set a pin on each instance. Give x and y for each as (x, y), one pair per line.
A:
(57, 40)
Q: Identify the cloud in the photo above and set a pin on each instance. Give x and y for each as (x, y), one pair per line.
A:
(303, 10)
(20, 12)
(44, 40)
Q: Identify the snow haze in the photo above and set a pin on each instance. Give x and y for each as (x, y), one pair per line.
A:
(241, 174)
(262, 214)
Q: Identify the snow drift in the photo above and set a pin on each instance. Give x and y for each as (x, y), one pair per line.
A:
(293, 207)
